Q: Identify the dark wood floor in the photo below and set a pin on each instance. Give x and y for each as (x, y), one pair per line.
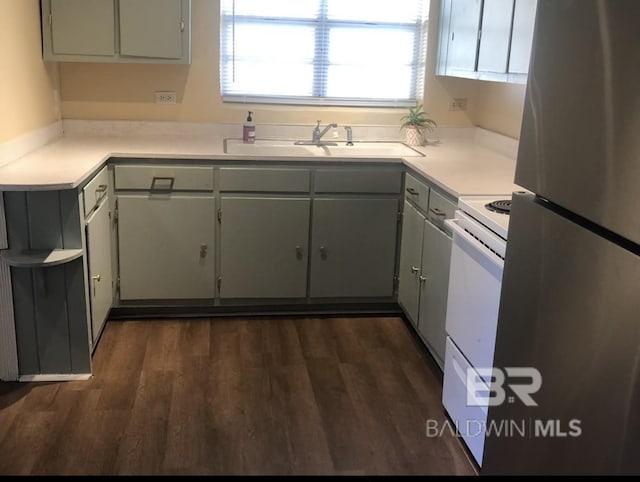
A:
(237, 396)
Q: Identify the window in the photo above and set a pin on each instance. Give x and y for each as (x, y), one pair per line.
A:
(334, 52)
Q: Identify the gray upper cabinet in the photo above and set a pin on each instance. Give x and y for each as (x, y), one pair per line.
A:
(486, 39)
(410, 261)
(146, 31)
(166, 246)
(264, 247)
(493, 55)
(353, 247)
(522, 36)
(153, 29)
(464, 18)
(80, 27)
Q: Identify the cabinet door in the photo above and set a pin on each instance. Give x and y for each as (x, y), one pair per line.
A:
(496, 32)
(152, 28)
(522, 37)
(263, 247)
(99, 256)
(436, 256)
(353, 247)
(410, 261)
(463, 35)
(82, 27)
(166, 246)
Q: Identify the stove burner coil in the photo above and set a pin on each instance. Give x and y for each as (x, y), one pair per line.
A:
(503, 206)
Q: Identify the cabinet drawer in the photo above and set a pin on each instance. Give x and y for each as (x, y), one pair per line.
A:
(263, 180)
(417, 192)
(165, 178)
(95, 191)
(358, 181)
(440, 208)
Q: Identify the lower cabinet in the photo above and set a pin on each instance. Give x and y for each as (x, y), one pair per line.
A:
(166, 246)
(99, 265)
(410, 261)
(425, 254)
(264, 247)
(353, 247)
(434, 286)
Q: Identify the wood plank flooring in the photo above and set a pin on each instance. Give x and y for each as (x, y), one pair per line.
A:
(237, 396)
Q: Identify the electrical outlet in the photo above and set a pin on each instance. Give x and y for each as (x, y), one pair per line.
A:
(459, 103)
(165, 97)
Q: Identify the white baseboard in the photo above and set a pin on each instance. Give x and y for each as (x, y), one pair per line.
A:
(54, 377)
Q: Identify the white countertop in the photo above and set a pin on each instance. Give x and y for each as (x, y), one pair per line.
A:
(459, 166)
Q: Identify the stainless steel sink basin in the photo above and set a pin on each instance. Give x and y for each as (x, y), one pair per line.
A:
(264, 147)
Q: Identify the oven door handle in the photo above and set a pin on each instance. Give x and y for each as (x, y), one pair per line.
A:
(474, 243)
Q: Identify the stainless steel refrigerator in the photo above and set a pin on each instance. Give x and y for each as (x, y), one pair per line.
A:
(570, 300)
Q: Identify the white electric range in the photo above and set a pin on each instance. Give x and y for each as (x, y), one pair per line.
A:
(480, 230)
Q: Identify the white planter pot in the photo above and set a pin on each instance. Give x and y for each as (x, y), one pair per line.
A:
(413, 137)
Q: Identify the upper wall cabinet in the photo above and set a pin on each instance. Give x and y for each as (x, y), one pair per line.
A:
(486, 39)
(143, 31)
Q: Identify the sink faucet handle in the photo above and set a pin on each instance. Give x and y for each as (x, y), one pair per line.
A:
(349, 135)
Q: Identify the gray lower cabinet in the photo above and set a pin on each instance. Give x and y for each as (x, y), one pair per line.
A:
(99, 265)
(353, 246)
(434, 285)
(263, 244)
(425, 254)
(410, 261)
(166, 246)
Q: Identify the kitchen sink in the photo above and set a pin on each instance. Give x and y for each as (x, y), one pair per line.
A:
(264, 147)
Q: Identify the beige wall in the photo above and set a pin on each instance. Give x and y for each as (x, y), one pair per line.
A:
(27, 85)
(499, 107)
(125, 91)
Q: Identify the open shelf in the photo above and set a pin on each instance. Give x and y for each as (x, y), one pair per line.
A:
(39, 258)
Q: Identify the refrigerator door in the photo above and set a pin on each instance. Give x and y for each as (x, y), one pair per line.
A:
(570, 307)
(580, 139)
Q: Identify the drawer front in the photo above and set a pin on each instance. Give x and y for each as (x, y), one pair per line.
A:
(165, 178)
(95, 191)
(440, 208)
(264, 180)
(467, 405)
(416, 192)
(383, 181)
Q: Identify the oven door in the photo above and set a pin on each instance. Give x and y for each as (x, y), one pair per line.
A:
(477, 260)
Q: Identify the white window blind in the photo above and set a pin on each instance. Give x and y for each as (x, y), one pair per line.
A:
(335, 52)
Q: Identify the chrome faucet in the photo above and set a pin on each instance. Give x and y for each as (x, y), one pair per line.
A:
(349, 135)
(317, 133)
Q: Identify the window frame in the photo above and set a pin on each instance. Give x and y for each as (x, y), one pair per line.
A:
(322, 26)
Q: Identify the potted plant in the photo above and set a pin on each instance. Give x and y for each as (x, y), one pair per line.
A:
(415, 123)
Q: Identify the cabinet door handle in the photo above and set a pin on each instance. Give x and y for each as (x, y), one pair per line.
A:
(422, 279)
(155, 179)
(101, 191)
(323, 252)
(412, 191)
(299, 253)
(437, 212)
(96, 278)
(414, 269)
(203, 251)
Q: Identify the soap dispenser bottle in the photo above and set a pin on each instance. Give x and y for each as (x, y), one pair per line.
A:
(249, 129)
